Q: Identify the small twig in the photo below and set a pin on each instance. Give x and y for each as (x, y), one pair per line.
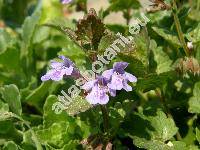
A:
(178, 28)
(105, 117)
(67, 31)
(127, 16)
(148, 47)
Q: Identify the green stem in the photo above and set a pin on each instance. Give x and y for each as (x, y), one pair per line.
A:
(148, 42)
(178, 28)
(105, 117)
(127, 15)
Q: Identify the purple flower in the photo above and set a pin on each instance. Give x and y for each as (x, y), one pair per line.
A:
(59, 69)
(98, 91)
(65, 1)
(119, 77)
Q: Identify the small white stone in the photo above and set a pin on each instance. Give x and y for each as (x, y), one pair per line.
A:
(170, 144)
(190, 45)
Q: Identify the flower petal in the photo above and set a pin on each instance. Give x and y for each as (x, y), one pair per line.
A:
(116, 82)
(127, 87)
(56, 75)
(67, 71)
(90, 98)
(107, 74)
(55, 64)
(112, 92)
(104, 99)
(45, 77)
(89, 85)
(120, 66)
(65, 1)
(130, 77)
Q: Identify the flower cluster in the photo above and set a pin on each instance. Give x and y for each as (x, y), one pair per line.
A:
(60, 69)
(98, 89)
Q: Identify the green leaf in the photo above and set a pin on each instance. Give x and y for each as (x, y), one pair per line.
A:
(106, 41)
(78, 105)
(37, 96)
(196, 90)
(30, 140)
(3, 106)
(119, 112)
(135, 65)
(150, 145)
(168, 36)
(161, 58)
(10, 146)
(29, 26)
(51, 10)
(58, 134)
(10, 59)
(8, 130)
(194, 102)
(11, 95)
(152, 132)
(50, 116)
(5, 40)
(142, 50)
(28, 29)
(27, 139)
(194, 105)
(71, 145)
(152, 81)
(178, 145)
(194, 35)
(119, 5)
(74, 53)
(4, 115)
(198, 134)
(165, 128)
(190, 137)
(65, 30)
(41, 34)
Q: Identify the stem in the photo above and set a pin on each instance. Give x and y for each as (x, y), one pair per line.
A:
(178, 28)
(169, 114)
(148, 42)
(198, 4)
(105, 117)
(127, 15)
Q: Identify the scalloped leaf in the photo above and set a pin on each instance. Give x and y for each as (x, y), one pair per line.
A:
(168, 36)
(161, 58)
(153, 132)
(194, 35)
(77, 106)
(4, 115)
(194, 102)
(11, 95)
(198, 134)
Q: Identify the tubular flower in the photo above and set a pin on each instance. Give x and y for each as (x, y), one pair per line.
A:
(119, 78)
(60, 69)
(98, 91)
